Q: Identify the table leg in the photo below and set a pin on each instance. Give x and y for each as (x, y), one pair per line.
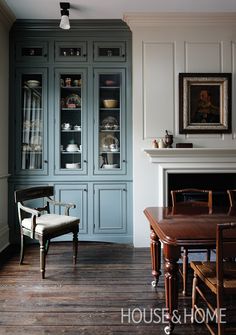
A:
(155, 247)
(171, 256)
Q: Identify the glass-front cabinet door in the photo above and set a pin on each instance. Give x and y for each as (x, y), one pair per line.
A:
(110, 114)
(31, 97)
(71, 120)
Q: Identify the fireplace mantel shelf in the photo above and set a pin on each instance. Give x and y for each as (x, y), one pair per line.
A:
(190, 154)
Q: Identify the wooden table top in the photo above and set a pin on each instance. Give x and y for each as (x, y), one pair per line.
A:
(188, 226)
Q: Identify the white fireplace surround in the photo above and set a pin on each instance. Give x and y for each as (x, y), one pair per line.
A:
(189, 160)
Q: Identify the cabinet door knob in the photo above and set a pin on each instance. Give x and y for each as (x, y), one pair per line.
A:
(124, 160)
(85, 190)
(45, 161)
(85, 161)
(45, 55)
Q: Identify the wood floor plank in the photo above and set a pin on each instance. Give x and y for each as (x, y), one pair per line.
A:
(86, 299)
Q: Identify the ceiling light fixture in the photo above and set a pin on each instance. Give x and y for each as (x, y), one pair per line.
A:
(65, 23)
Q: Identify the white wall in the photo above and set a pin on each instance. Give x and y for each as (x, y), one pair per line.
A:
(163, 46)
(5, 22)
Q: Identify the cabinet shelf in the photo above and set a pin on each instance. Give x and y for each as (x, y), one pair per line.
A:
(109, 109)
(109, 152)
(110, 87)
(109, 130)
(71, 131)
(71, 152)
(71, 88)
(71, 109)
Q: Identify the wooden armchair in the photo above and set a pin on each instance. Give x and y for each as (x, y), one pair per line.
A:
(202, 198)
(38, 223)
(219, 277)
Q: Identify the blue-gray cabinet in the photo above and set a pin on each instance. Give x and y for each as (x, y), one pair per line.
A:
(71, 121)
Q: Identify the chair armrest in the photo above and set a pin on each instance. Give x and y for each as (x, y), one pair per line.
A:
(34, 213)
(67, 206)
(29, 210)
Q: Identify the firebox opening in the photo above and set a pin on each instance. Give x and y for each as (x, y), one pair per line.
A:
(217, 182)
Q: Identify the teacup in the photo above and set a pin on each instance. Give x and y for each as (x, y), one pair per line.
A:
(76, 127)
(65, 126)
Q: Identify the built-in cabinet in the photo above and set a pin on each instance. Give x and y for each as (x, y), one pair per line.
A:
(70, 122)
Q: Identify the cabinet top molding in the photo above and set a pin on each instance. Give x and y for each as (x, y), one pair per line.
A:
(165, 18)
(76, 25)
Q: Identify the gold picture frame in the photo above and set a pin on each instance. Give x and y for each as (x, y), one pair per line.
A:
(205, 103)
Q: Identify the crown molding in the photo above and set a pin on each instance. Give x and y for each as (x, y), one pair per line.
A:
(6, 15)
(177, 18)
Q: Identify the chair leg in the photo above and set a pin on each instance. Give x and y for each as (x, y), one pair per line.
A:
(75, 246)
(208, 255)
(47, 246)
(21, 248)
(42, 258)
(194, 296)
(220, 325)
(185, 271)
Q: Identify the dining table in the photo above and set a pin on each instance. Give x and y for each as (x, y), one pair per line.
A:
(175, 228)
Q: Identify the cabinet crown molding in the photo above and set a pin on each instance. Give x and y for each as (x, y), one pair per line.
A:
(171, 18)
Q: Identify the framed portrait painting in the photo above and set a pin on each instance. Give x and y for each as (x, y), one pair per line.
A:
(205, 103)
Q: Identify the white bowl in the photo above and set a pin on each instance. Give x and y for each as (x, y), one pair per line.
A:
(72, 148)
(72, 165)
(110, 166)
(33, 83)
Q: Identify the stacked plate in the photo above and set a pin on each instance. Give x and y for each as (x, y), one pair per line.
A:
(33, 83)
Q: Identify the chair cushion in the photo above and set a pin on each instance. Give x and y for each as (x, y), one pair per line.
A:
(49, 223)
(207, 272)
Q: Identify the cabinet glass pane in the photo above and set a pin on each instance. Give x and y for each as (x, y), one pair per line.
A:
(70, 121)
(69, 52)
(32, 122)
(109, 121)
(32, 52)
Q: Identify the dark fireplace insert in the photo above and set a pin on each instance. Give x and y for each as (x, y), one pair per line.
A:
(217, 182)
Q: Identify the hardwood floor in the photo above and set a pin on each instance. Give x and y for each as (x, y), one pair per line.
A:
(88, 298)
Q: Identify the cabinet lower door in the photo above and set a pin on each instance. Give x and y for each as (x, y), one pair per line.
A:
(110, 209)
(77, 194)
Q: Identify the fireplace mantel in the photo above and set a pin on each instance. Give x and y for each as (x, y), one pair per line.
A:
(174, 155)
(189, 160)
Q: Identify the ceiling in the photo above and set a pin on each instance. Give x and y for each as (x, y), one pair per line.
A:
(112, 9)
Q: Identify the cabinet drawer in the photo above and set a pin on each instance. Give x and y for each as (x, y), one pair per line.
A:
(71, 51)
(109, 51)
(36, 51)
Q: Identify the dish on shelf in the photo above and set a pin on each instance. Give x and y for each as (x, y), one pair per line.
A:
(109, 82)
(109, 141)
(72, 165)
(33, 83)
(72, 148)
(110, 166)
(110, 123)
(73, 101)
(36, 140)
(110, 103)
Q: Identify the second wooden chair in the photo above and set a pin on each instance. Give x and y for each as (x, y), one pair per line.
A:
(191, 197)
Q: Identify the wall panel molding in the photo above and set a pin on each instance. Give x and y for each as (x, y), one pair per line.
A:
(158, 68)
